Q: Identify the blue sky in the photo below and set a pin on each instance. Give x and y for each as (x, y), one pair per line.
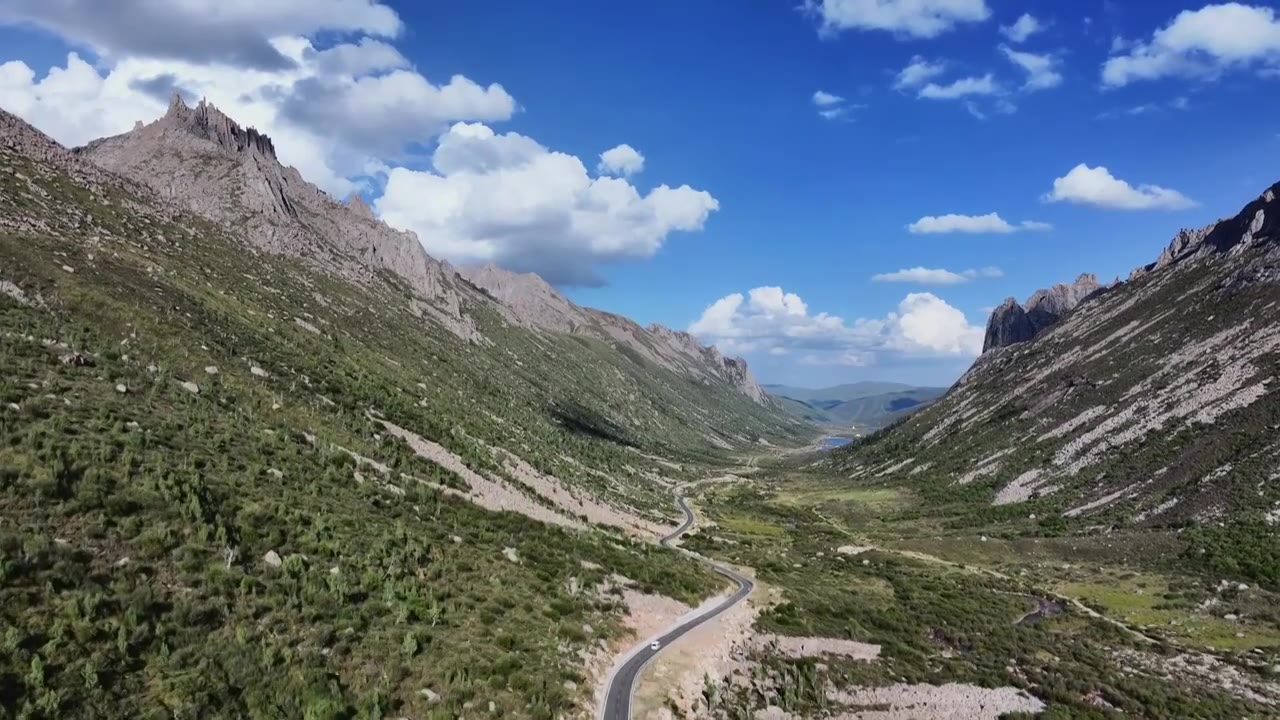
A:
(720, 97)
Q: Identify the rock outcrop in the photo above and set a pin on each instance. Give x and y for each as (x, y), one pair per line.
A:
(1257, 224)
(205, 161)
(1012, 323)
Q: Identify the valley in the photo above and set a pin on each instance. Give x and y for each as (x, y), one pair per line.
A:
(263, 456)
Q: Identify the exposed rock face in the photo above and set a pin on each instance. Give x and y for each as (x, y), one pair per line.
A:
(205, 161)
(534, 303)
(1007, 325)
(1257, 224)
(1013, 323)
(532, 300)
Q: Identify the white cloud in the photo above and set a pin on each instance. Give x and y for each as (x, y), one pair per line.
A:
(1202, 43)
(239, 33)
(918, 72)
(822, 98)
(915, 18)
(989, 223)
(848, 358)
(1023, 28)
(1096, 186)
(964, 87)
(507, 199)
(768, 318)
(622, 160)
(833, 107)
(366, 56)
(937, 276)
(1042, 72)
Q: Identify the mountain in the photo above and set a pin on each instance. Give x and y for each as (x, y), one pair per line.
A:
(866, 405)
(205, 161)
(245, 426)
(538, 305)
(1151, 403)
(1012, 323)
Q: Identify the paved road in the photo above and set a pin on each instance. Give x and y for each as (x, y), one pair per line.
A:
(617, 703)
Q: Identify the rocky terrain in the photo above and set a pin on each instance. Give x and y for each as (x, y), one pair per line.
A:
(1012, 323)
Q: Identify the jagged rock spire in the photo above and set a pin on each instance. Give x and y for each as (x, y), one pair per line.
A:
(207, 121)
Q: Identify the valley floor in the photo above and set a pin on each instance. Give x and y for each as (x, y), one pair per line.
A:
(869, 607)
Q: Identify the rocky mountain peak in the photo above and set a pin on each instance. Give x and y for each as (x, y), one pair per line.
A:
(1012, 323)
(204, 160)
(1257, 224)
(205, 120)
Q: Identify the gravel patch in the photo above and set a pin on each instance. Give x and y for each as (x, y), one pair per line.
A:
(953, 701)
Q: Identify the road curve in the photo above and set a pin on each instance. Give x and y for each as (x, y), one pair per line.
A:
(617, 699)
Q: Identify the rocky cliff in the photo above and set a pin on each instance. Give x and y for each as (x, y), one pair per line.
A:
(1012, 323)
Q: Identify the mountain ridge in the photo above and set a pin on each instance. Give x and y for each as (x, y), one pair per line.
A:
(202, 159)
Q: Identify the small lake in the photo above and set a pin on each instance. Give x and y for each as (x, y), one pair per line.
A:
(829, 443)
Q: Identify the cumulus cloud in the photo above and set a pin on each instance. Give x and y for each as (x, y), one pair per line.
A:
(1023, 28)
(507, 199)
(918, 72)
(909, 18)
(234, 33)
(769, 318)
(1096, 186)
(1042, 70)
(1202, 43)
(963, 87)
(381, 114)
(622, 160)
(989, 223)
(937, 276)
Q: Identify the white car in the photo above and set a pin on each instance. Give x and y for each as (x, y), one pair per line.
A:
(655, 645)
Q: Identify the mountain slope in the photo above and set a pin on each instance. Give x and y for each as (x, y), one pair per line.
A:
(203, 160)
(537, 305)
(242, 440)
(1151, 404)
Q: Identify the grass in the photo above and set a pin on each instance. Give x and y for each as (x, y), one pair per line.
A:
(868, 499)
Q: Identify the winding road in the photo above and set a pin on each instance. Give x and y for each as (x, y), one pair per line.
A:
(621, 683)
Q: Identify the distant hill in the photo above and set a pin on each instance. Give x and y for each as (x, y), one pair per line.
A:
(867, 405)
(850, 391)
